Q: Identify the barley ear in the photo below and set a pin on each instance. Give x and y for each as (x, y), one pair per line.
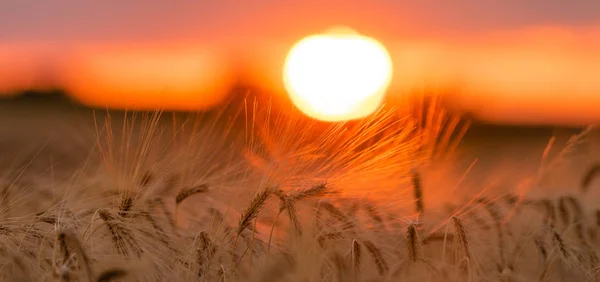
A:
(251, 212)
(356, 256)
(375, 252)
(461, 242)
(589, 176)
(111, 275)
(413, 243)
(418, 193)
(191, 191)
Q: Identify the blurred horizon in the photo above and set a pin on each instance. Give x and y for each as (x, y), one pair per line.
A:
(53, 99)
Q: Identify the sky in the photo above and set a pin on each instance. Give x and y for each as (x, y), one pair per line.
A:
(72, 20)
(500, 53)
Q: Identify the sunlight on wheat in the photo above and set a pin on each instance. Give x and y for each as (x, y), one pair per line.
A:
(256, 194)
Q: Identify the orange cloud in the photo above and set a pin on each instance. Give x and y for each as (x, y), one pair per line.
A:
(29, 67)
(149, 77)
(538, 75)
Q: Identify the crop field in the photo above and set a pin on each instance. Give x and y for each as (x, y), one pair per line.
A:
(251, 192)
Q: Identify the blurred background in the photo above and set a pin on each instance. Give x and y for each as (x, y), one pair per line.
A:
(515, 62)
(525, 71)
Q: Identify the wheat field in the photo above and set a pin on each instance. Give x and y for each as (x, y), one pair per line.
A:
(255, 193)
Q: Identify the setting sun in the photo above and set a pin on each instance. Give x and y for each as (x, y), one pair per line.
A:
(336, 76)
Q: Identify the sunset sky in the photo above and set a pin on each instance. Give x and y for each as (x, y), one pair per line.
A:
(71, 20)
(512, 60)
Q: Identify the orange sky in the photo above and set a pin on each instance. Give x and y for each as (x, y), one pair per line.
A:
(507, 61)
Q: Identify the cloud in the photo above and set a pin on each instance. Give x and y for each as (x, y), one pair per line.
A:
(536, 75)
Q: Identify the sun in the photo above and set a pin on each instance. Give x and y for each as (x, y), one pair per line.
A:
(336, 76)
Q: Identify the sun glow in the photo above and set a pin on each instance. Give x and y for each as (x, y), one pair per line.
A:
(336, 76)
(147, 77)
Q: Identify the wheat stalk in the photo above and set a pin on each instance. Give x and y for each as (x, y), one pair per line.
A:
(126, 204)
(589, 176)
(375, 252)
(121, 237)
(418, 193)
(317, 191)
(251, 212)
(494, 213)
(413, 244)
(65, 239)
(111, 275)
(560, 242)
(188, 192)
(461, 241)
(356, 256)
(288, 204)
(204, 253)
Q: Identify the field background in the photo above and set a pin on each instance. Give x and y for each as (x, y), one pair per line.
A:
(50, 163)
(50, 129)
